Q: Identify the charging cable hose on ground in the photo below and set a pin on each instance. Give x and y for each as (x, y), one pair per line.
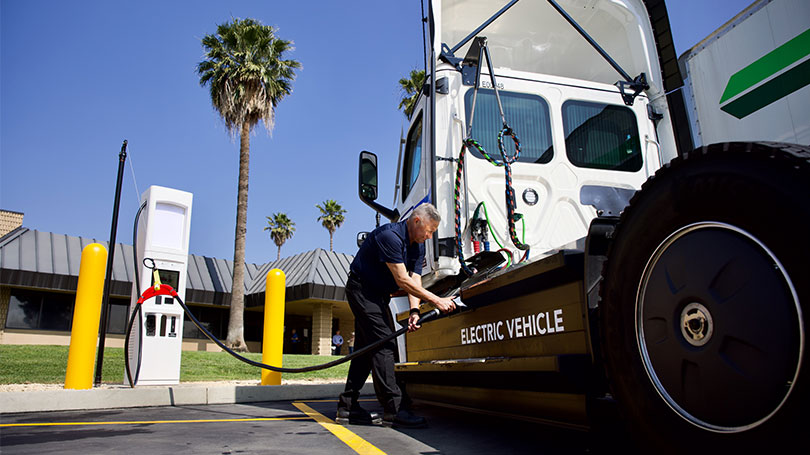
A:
(165, 289)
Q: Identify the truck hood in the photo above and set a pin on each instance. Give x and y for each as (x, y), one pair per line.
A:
(533, 37)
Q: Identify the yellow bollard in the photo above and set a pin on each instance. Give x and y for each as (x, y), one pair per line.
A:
(273, 339)
(86, 317)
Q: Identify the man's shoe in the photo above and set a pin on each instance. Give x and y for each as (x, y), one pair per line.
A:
(357, 416)
(404, 419)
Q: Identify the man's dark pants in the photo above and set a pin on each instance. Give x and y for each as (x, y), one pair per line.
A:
(373, 322)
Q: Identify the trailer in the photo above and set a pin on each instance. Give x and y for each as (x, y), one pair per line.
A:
(630, 268)
(748, 81)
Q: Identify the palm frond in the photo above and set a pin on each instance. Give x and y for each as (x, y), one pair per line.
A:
(281, 228)
(331, 215)
(411, 87)
(246, 73)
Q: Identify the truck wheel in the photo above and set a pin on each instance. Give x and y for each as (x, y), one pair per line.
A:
(703, 311)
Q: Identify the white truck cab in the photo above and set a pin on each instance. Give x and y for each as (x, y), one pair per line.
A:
(584, 140)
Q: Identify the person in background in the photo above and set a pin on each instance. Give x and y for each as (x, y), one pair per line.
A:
(337, 342)
(295, 341)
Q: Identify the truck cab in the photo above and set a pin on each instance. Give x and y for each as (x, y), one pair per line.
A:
(586, 145)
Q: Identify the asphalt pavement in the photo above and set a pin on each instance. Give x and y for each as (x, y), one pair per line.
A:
(303, 426)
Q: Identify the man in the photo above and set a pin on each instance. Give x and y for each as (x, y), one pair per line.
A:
(337, 342)
(389, 259)
(295, 340)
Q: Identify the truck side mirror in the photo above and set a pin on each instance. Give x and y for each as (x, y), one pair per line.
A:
(368, 176)
(367, 185)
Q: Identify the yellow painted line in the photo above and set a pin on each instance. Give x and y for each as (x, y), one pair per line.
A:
(348, 437)
(148, 422)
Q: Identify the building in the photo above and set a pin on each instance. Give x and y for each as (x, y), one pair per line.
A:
(9, 221)
(39, 275)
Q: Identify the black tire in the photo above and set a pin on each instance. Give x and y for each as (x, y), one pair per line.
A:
(704, 301)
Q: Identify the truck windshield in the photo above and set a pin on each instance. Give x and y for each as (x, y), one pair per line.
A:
(601, 136)
(526, 114)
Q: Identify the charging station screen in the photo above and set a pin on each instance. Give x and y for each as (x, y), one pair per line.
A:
(170, 277)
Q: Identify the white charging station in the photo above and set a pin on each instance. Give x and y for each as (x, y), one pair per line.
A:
(163, 235)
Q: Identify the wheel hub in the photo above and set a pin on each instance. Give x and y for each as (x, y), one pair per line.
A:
(697, 325)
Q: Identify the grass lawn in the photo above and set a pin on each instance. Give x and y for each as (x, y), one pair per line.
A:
(45, 364)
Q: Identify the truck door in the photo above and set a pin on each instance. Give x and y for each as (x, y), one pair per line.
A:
(414, 185)
(414, 179)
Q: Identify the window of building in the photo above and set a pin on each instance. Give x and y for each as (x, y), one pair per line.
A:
(214, 320)
(528, 115)
(601, 136)
(40, 310)
(413, 157)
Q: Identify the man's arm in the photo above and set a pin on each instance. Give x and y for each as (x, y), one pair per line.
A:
(415, 290)
(413, 302)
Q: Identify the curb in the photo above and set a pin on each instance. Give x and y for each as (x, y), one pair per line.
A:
(182, 395)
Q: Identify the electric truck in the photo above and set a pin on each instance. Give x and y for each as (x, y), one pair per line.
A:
(601, 257)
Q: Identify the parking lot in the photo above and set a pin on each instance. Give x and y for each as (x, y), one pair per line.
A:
(285, 427)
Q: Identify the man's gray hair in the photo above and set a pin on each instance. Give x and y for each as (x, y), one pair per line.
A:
(427, 210)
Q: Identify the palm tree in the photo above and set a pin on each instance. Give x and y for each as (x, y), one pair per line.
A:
(281, 229)
(412, 88)
(247, 78)
(331, 217)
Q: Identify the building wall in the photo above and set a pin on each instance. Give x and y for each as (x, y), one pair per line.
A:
(21, 336)
(190, 344)
(57, 338)
(320, 331)
(321, 328)
(9, 221)
(5, 296)
(61, 337)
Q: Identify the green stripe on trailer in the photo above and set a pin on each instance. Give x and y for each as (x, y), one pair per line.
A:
(771, 63)
(764, 68)
(775, 89)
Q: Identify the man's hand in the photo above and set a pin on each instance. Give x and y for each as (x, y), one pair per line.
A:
(413, 322)
(445, 304)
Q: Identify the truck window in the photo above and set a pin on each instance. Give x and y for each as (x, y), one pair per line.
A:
(526, 114)
(413, 157)
(601, 136)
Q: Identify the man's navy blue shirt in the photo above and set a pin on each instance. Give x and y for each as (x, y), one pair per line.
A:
(388, 243)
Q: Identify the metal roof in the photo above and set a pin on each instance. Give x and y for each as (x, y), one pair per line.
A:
(44, 260)
(316, 274)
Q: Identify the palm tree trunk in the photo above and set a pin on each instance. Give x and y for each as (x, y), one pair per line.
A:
(330, 241)
(236, 323)
(279, 253)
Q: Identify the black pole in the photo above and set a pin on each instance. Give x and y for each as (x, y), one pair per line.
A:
(122, 157)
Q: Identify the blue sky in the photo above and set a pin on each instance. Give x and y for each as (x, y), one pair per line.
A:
(79, 77)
